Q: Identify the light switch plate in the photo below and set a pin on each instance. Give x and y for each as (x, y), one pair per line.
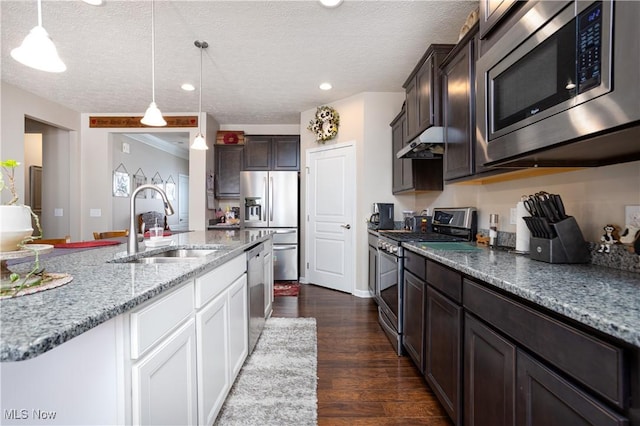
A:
(58, 212)
(125, 147)
(95, 212)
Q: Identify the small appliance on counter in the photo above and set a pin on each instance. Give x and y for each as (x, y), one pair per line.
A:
(382, 217)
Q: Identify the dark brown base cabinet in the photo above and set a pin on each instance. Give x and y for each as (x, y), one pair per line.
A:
(494, 360)
(546, 399)
(443, 342)
(414, 315)
(489, 376)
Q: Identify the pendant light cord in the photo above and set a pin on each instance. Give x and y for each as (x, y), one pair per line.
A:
(200, 110)
(39, 13)
(153, 53)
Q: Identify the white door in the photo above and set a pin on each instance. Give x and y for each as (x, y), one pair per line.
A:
(330, 204)
(183, 202)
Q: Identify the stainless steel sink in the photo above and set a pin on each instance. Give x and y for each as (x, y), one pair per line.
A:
(174, 256)
(183, 253)
(155, 260)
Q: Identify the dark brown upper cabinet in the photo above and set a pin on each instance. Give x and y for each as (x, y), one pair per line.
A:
(228, 160)
(272, 152)
(492, 12)
(423, 91)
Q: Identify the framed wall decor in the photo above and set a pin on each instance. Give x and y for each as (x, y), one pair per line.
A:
(139, 179)
(157, 181)
(170, 188)
(121, 182)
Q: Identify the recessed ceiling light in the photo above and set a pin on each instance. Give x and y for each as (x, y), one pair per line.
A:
(326, 86)
(188, 87)
(94, 2)
(330, 3)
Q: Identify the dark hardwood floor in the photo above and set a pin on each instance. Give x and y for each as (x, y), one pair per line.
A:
(361, 381)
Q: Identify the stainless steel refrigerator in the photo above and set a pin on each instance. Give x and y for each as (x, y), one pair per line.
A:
(270, 200)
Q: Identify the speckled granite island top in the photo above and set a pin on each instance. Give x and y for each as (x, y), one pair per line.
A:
(605, 299)
(100, 290)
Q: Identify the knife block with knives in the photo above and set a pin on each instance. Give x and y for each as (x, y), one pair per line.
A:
(555, 236)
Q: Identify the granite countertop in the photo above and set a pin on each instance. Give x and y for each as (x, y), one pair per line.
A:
(102, 289)
(603, 298)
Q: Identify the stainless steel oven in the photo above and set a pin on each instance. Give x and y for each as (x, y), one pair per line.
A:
(450, 224)
(389, 294)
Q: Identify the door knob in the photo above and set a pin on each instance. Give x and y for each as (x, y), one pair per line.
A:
(347, 226)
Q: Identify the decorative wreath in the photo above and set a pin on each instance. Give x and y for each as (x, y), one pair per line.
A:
(325, 125)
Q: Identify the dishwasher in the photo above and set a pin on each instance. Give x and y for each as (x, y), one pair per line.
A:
(256, 288)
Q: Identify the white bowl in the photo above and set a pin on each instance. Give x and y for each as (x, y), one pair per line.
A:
(9, 240)
(15, 225)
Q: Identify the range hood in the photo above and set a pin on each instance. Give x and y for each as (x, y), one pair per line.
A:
(430, 144)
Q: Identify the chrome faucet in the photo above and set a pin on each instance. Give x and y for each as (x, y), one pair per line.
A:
(132, 241)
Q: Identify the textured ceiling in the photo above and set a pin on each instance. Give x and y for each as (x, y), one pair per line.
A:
(264, 62)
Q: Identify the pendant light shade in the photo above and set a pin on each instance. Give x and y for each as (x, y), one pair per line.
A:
(153, 116)
(38, 51)
(199, 141)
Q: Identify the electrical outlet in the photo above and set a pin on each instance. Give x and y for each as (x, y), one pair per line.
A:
(513, 219)
(125, 148)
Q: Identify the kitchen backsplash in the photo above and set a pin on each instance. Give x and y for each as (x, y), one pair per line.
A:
(618, 258)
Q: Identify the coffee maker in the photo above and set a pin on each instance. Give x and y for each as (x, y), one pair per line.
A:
(382, 217)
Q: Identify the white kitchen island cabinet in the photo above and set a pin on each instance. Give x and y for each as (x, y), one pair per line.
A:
(164, 381)
(222, 329)
(169, 360)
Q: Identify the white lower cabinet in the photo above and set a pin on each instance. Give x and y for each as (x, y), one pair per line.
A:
(238, 326)
(164, 381)
(171, 360)
(212, 323)
(185, 375)
(222, 330)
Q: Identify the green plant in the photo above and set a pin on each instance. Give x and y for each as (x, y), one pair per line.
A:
(9, 168)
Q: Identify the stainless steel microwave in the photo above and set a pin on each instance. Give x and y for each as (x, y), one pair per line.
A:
(566, 71)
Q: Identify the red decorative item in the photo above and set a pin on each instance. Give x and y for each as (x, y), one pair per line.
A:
(230, 138)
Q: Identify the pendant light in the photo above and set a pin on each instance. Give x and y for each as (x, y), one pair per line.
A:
(38, 51)
(153, 116)
(199, 142)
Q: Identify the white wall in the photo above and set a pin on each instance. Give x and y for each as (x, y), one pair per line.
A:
(90, 158)
(263, 129)
(594, 196)
(364, 118)
(16, 104)
(97, 168)
(151, 161)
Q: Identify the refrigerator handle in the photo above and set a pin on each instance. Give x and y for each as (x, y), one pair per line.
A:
(264, 198)
(271, 198)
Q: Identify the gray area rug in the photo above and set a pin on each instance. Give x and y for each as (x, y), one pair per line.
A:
(277, 384)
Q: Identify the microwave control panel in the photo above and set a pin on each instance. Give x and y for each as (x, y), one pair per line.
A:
(589, 47)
